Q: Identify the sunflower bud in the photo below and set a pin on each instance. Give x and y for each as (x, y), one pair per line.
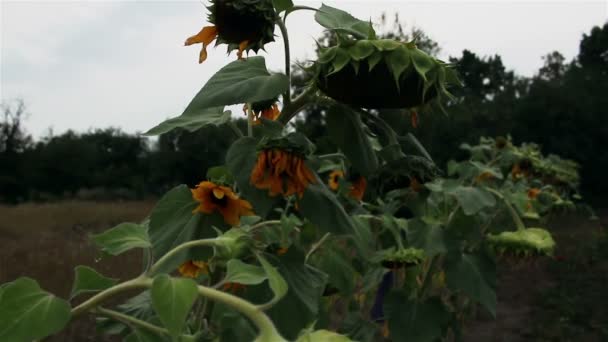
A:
(233, 244)
(525, 242)
(405, 257)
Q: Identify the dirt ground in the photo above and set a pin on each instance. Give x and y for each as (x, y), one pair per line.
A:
(560, 299)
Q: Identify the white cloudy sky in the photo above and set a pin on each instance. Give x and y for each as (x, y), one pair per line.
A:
(85, 64)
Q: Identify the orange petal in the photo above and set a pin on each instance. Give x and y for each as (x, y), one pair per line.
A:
(242, 47)
(206, 36)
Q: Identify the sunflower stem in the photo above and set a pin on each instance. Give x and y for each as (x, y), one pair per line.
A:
(140, 282)
(283, 28)
(297, 105)
(249, 120)
(183, 246)
(129, 320)
(298, 8)
(514, 215)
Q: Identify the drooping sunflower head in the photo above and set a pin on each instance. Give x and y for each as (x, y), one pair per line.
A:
(241, 24)
(382, 74)
(357, 187)
(281, 166)
(193, 268)
(400, 258)
(218, 198)
(268, 110)
(525, 242)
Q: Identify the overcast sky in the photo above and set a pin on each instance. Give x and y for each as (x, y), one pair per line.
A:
(88, 64)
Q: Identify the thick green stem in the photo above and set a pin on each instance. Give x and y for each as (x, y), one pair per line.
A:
(514, 215)
(297, 8)
(332, 156)
(235, 129)
(183, 246)
(298, 104)
(131, 320)
(267, 330)
(137, 283)
(265, 223)
(284, 33)
(316, 246)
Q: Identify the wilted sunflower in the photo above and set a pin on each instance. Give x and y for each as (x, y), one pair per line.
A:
(242, 24)
(193, 268)
(357, 187)
(264, 109)
(521, 168)
(213, 197)
(281, 172)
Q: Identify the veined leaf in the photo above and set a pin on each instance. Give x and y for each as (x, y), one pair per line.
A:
(89, 280)
(338, 20)
(475, 276)
(242, 81)
(409, 320)
(29, 313)
(322, 209)
(122, 238)
(275, 280)
(242, 273)
(192, 120)
(172, 299)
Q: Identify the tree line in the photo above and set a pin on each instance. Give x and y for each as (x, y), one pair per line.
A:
(562, 107)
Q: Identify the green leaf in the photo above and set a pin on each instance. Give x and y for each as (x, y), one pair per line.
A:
(340, 61)
(361, 50)
(242, 81)
(473, 199)
(475, 275)
(422, 62)
(347, 131)
(192, 120)
(299, 308)
(240, 160)
(278, 285)
(428, 237)
(139, 307)
(412, 321)
(323, 336)
(322, 209)
(282, 5)
(172, 299)
(89, 280)
(29, 313)
(140, 335)
(172, 223)
(122, 238)
(338, 20)
(337, 266)
(220, 174)
(398, 61)
(242, 273)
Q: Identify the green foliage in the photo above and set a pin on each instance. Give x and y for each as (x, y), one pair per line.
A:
(321, 207)
(415, 321)
(282, 5)
(475, 276)
(338, 20)
(27, 312)
(122, 238)
(238, 82)
(172, 299)
(193, 120)
(89, 280)
(246, 274)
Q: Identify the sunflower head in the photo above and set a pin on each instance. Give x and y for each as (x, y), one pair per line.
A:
(525, 242)
(382, 74)
(334, 179)
(233, 244)
(533, 193)
(405, 257)
(218, 198)
(241, 24)
(268, 109)
(193, 268)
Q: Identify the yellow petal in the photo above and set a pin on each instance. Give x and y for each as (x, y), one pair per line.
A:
(218, 193)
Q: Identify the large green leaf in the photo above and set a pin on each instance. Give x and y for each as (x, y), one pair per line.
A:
(192, 120)
(472, 200)
(338, 20)
(139, 307)
(474, 275)
(122, 238)
(412, 321)
(89, 280)
(240, 160)
(282, 5)
(428, 237)
(338, 267)
(172, 299)
(322, 209)
(347, 131)
(242, 273)
(172, 223)
(299, 308)
(28, 313)
(242, 81)
(277, 283)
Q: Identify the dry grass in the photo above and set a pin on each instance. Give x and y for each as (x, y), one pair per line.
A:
(46, 242)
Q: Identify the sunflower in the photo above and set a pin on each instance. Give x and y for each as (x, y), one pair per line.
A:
(533, 193)
(192, 268)
(213, 197)
(264, 109)
(234, 287)
(334, 179)
(357, 189)
(241, 24)
(281, 172)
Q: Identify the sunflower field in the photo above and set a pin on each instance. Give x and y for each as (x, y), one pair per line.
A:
(281, 243)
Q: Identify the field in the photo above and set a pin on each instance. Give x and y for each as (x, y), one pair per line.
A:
(560, 299)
